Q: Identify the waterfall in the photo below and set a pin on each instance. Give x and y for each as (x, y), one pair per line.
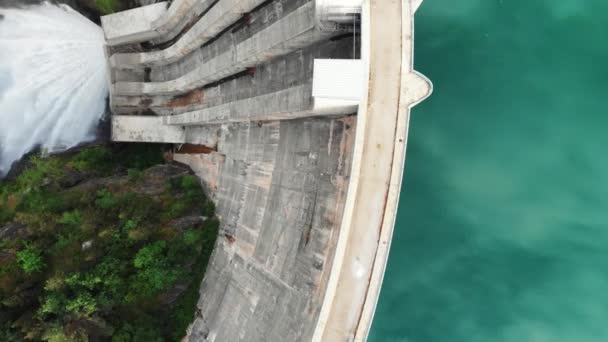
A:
(53, 80)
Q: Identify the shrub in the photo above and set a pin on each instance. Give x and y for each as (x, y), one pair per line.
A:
(107, 6)
(150, 255)
(40, 170)
(84, 304)
(39, 201)
(93, 158)
(7, 332)
(176, 210)
(55, 283)
(30, 259)
(105, 199)
(130, 225)
(192, 237)
(63, 240)
(154, 273)
(208, 208)
(190, 182)
(71, 218)
(137, 207)
(142, 332)
(135, 175)
(55, 333)
(53, 304)
(185, 307)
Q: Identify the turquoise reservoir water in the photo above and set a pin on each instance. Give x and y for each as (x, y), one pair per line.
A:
(502, 231)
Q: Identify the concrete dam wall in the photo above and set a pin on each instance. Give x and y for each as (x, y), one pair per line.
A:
(294, 115)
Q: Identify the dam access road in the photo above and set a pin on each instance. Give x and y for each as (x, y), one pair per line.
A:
(294, 114)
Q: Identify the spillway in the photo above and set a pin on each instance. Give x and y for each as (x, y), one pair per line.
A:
(44, 101)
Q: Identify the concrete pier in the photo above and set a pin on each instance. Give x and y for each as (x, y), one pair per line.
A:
(303, 107)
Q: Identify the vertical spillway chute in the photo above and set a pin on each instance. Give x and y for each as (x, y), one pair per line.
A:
(53, 80)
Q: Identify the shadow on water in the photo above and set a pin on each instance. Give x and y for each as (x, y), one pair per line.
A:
(502, 226)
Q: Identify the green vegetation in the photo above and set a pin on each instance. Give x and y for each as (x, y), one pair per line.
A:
(30, 259)
(107, 6)
(104, 257)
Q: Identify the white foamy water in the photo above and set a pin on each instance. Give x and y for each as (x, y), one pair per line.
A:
(53, 80)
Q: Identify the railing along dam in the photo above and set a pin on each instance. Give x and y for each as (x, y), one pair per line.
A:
(299, 110)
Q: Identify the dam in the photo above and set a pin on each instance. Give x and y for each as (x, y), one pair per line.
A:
(294, 115)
